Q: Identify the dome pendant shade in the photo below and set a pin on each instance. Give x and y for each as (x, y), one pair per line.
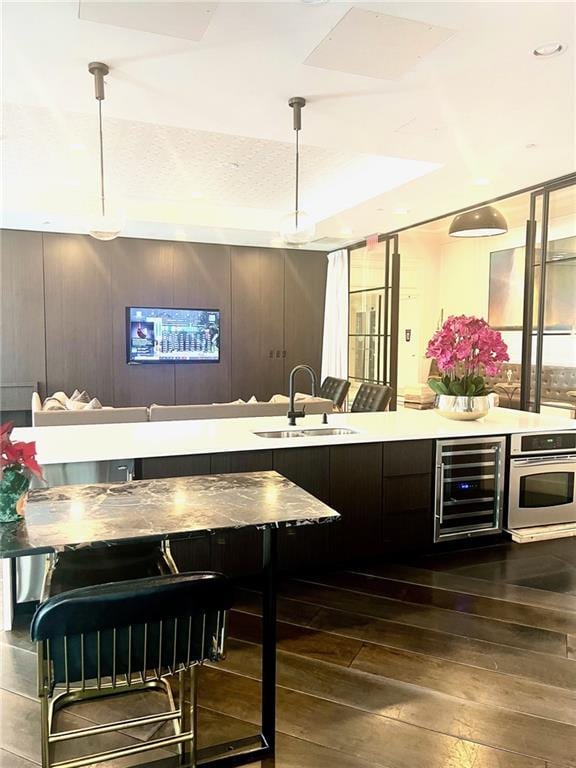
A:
(297, 228)
(481, 222)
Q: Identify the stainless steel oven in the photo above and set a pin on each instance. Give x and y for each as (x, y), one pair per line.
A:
(542, 486)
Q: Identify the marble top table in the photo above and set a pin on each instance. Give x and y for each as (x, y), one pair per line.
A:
(73, 516)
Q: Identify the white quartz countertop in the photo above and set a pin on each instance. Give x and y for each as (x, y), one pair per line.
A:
(102, 442)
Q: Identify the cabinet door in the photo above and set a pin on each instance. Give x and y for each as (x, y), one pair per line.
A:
(407, 496)
(174, 466)
(304, 547)
(141, 276)
(356, 493)
(202, 280)
(78, 315)
(239, 552)
(257, 322)
(304, 291)
(22, 331)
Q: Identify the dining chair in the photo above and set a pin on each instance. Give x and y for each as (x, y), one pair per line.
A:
(117, 638)
(371, 397)
(334, 389)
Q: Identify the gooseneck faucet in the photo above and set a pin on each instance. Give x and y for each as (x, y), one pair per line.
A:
(293, 414)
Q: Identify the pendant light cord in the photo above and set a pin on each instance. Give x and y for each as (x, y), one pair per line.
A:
(102, 203)
(297, 174)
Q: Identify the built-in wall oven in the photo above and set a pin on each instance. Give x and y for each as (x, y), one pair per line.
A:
(542, 484)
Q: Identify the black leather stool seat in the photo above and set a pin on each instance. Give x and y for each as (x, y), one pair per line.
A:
(334, 389)
(86, 567)
(119, 628)
(371, 397)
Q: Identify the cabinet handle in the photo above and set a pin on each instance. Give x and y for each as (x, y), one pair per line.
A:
(271, 353)
(283, 353)
(277, 353)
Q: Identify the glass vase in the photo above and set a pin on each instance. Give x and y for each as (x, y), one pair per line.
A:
(13, 486)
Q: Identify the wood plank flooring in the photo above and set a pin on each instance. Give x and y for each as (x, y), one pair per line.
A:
(458, 660)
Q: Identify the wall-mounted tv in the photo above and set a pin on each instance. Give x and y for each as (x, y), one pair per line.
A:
(166, 335)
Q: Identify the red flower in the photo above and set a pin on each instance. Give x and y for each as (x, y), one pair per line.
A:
(18, 453)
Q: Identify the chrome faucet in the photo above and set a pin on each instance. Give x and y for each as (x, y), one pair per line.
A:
(293, 414)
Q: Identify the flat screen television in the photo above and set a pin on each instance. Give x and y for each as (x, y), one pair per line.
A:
(167, 335)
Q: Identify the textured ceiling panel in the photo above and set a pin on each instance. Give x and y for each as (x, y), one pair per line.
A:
(151, 168)
(175, 19)
(376, 45)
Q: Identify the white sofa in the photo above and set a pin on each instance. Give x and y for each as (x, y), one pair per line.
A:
(313, 405)
(106, 415)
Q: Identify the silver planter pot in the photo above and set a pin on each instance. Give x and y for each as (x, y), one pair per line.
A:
(462, 408)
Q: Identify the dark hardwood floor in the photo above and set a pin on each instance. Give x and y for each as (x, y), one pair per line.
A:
(457, 660)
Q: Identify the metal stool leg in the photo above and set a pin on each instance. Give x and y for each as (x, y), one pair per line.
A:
(187, 701)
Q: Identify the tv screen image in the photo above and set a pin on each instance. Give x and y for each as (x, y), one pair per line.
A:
(166, 335)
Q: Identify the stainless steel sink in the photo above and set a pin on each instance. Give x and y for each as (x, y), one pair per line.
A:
(319, 431)
(312, 432)
(281, 433)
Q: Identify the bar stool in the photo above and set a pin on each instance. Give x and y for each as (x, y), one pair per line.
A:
(116, 638)
(335, 389)
(371, 397)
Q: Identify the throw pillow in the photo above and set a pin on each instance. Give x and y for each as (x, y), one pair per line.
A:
(52, 404)
(75, 405)
(252, 399)
(80, 397)
(60, 396)
(93, 405)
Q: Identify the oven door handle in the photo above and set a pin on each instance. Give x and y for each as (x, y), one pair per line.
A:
(543, 461)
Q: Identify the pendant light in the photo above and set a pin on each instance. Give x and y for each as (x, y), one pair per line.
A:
(297, 227)
(481, 222)
(104, 226)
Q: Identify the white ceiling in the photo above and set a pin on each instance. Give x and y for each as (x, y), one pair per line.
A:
(198, 133)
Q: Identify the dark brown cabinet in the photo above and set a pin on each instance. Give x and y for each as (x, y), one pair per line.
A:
(356, 492)
(78, 315)
(304, 547)
(408, 521)
(304, 294)
(202, 281)
(257, 322)
(22, 343)
(277, 318)
(142, 276)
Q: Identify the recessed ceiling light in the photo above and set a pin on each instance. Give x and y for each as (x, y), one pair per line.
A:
(314, 2)
(531, 146)
(549, 49)
(401, 211)
(481, 181)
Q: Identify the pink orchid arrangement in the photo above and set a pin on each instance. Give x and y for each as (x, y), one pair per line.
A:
(466, 349)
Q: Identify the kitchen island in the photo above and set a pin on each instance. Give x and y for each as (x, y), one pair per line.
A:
(105, 442)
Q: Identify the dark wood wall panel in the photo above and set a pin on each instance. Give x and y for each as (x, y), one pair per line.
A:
(257, 322)
(305, 290)
(142, 275)
(64, 300)
(22, 308)
(202, 279)
(78, 315)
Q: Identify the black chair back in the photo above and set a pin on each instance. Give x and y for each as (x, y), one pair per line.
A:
(129, 627)
(372, 397)
(334, 389)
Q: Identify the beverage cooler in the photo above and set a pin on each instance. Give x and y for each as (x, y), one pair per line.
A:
(469, 488)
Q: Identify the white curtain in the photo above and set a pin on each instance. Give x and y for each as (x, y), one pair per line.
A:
(335, 342)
